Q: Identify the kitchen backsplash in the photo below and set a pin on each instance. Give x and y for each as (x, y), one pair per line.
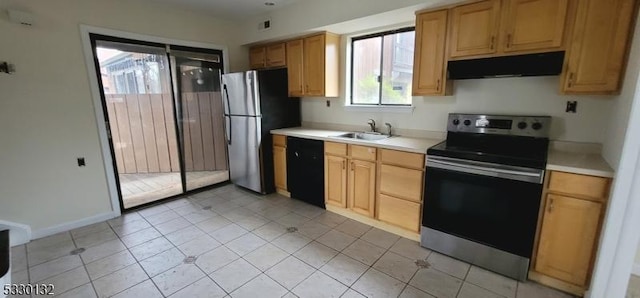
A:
(510, 96)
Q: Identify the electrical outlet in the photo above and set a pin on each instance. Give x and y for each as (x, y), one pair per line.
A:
(81, 162)
(572, 107)
(328, 103)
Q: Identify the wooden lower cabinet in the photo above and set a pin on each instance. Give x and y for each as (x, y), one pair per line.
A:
(401, 182)
(567, 238)
(362, 178)
(280, 162)
(399, 212)
(280, 166)
(335, 177)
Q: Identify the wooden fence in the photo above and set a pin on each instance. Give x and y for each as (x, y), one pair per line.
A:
(144, 135)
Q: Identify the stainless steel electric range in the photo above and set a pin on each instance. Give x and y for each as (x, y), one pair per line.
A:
(482, 190)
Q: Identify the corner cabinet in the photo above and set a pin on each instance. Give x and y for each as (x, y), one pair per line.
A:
(313, 65)
(572, 210)
(429, 71)
(280, 163)
(596, 58)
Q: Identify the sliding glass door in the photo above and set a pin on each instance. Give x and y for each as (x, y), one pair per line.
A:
(201, 115)
(145, 89)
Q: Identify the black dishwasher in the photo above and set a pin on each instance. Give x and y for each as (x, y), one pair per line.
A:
(305, 170)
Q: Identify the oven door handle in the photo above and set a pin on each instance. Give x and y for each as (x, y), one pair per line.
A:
(532, 177)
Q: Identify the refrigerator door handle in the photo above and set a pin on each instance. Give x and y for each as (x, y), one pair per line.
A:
(226, 96)
(228, 135)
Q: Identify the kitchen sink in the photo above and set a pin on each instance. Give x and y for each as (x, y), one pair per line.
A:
(368, 136)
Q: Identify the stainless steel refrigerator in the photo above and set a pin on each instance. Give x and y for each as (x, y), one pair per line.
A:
(255, 102)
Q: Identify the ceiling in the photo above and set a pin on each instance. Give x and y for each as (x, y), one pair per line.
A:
(230, 9)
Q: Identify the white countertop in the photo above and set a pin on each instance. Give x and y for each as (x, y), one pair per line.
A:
(579, 163)
(585, 163)
(417, 145)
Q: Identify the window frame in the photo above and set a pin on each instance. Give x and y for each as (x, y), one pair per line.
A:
(351, 51)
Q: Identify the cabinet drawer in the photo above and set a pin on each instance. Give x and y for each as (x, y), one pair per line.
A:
(335, 148)
(403, 159)
(279, 140)
(362, 152)
(591, 186)
(401, 182)
(399, 212)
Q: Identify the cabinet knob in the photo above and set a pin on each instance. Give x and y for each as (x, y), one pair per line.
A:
(438, 85)
(344, 164)
(550, 205)
(493, 42)
(509, 40)
(352, 166)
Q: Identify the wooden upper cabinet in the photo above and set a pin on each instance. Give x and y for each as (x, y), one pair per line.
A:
(429, 56)
(257, 57)
(314, 65)
(321, 62)
(567, 239)
(474, 29)
(534, 24)
(276, 55)
(597, 55)
(295, 68)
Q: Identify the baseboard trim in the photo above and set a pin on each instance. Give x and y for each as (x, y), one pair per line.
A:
(635, 270)
(67, 226)
(20, 233)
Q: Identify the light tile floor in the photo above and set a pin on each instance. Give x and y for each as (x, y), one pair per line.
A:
(230, 243)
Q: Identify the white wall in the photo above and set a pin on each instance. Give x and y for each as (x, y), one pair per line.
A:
(46, 113)
(621, 105)
(530, 96)
(307, 16)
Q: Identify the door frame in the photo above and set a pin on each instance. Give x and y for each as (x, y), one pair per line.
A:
(107, 158)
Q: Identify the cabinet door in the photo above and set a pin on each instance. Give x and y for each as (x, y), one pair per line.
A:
(534, 24)
(314, 61)
(475, 29)
(567, 238)
(295, 70)
(257, 57)
(399, 212)
(428, 66)
(280, 166)
(598, 49)
(335, 181)
(276, 55)
(401, 182)
(362, 177)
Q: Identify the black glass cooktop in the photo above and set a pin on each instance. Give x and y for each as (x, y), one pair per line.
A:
(509, 150)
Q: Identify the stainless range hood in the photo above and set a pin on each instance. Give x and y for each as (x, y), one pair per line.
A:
(543, 64)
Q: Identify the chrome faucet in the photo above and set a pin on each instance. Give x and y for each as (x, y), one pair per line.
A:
(372, 123)
(388, 128)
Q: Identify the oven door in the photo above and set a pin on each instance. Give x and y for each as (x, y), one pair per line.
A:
(491, 204)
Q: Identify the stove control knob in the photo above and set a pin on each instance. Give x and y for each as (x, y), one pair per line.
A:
(467, 122)
(536, 126)
(456, 122)
(522, 125)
